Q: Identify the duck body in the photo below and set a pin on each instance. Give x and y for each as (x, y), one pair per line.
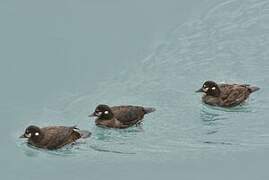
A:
(120, 116)
(226, 95)
(53, 137)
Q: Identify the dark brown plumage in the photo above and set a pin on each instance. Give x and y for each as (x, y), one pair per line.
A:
(119, 116)
(53, 137)
(226, 95)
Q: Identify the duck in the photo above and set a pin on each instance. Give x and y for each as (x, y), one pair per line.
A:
(121, 117)
(53, 137)
(225, 95)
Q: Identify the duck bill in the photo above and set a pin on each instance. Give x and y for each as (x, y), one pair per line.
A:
(22, 136)
(92, 115)
(199, 90)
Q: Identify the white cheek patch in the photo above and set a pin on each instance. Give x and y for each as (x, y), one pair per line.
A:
(106, 112)
(37, 134)
(99, 113)
(213, 88)
(28, 135)
(205, 89)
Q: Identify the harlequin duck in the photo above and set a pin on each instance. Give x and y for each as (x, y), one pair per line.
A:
(119, 116)
(53, 137)
(226, 95)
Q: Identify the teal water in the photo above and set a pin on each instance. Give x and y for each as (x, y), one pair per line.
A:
(59, 59)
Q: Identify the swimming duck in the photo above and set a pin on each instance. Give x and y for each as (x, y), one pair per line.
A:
(119, 116)
(53, 137)
(226, 95)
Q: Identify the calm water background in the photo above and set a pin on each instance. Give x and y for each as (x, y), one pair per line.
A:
(59, 59)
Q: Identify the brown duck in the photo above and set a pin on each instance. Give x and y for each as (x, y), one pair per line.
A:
(119, 116)
(225, 95)
(53, 137)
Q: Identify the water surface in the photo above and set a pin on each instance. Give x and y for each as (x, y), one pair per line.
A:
(60, 59)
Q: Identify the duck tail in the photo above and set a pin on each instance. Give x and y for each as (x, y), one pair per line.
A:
(149, 110)
(253, 89)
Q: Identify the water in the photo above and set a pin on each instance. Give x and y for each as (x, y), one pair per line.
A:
(60, 59)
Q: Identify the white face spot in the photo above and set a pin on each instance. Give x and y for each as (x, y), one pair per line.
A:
(205, 89)
(28, 135)
(98, 113)
(213, 88)
(106, 112)
(37, 134)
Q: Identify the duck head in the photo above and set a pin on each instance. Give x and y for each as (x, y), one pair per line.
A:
(210, 88)
(102, 112)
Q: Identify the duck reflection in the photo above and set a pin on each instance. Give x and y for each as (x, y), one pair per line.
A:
(210, 116)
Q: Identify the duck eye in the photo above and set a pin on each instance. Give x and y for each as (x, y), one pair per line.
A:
(37, 134)
(213, 88)
(106, 112)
